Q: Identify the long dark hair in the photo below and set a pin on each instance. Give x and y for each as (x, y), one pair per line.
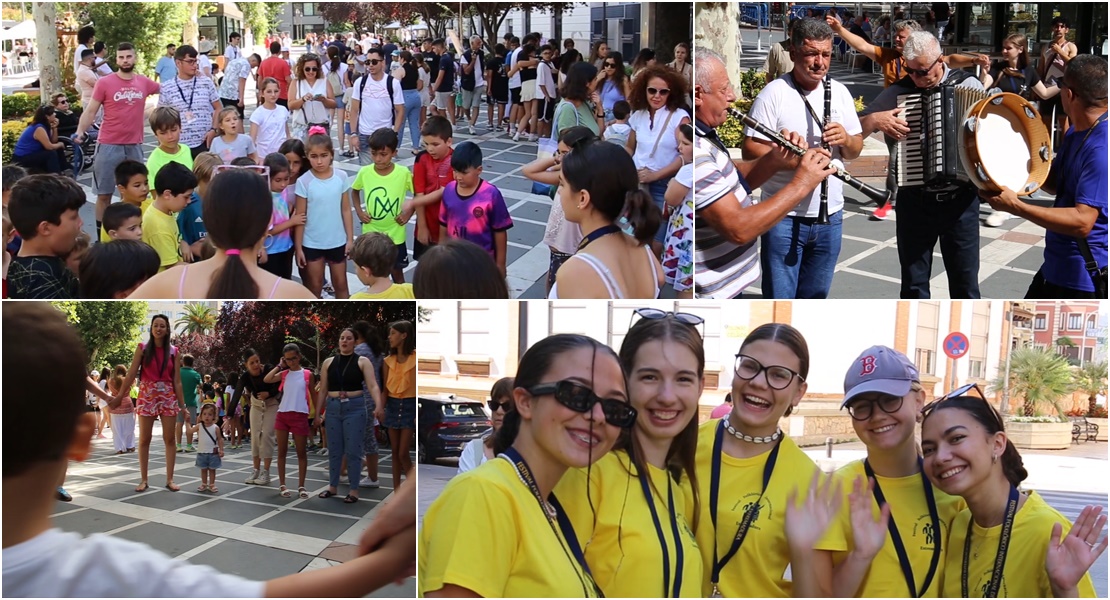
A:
(614, 190)
(787, 336)
(296, 147)
(42, 116)
(620, 75)
(502, 388)
(406, 328)
(576, 85)
(1012, 465)
(365, 331)
(680, 456)
(236, 210)
(333, 54)
(148, 348)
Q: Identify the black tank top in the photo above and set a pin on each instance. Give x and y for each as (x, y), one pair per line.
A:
(344, 374)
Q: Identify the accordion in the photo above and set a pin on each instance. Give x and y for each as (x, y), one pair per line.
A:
(929, 156)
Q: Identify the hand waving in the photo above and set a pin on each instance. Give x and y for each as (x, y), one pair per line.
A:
(805, 524)
(868, 535)
(1069, 559)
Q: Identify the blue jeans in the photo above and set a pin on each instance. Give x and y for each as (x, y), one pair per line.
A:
(345, 423)
(412, 117)
(798, 257)
(658, 193)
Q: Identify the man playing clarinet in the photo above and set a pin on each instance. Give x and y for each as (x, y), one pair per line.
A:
(799, 254)
(926, 214)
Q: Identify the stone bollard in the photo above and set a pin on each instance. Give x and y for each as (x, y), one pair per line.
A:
(828, 447)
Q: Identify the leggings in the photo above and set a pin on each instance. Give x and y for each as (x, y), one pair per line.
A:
(263, 415)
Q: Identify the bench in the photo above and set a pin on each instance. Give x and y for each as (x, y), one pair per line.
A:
(1083, 430)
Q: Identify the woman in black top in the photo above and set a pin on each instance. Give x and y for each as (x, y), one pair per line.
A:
(1014, 74)
(526, 64)
(264, 401)
(411, 86)
(341, 379)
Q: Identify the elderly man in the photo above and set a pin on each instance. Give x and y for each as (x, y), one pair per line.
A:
(926, 213)
(798, 255)
(1075, 243)
(196, 100)
(473, 81)
(728, 222)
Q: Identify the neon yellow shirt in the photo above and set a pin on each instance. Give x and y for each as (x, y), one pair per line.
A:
(759, 568)
(160, 158)
(487, 533)
(910, 512)
(104, 237)
(161, 233)
(1024, 575)
(623, 548)
(397, 291)
(382, 196)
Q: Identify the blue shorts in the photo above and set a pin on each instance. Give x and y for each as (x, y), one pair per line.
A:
(209, 460)
(339, 101)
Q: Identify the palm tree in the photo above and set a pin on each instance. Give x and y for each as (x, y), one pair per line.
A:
(199, 318)
(1091, 380)
(1038, 376)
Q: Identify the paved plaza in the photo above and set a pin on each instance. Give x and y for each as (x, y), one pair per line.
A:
(246, 530)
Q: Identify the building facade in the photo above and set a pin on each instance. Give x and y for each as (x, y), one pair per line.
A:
(1070, 328)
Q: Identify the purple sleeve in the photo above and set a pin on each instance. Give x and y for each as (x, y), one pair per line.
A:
(500, 220)
(448, 191)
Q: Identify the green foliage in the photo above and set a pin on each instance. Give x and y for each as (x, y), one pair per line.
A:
(1091, 380)
(261, 17)
(19, 105)
(109, 330)
(198, 319)
(149, 26)
(12, 131)
(1040, 377)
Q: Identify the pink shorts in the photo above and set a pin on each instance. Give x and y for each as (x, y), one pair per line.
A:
(293, 422)
(156, 399)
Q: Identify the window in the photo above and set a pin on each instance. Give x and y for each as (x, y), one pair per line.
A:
(1075, 322)
(310, 9)
(980, 324)
(474, 334)
(975, 369)
(923, 360)
(1040, 322)
(928, 324)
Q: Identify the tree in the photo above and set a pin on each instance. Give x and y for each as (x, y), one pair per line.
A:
(716, 26)
(1038, 376)
(200, 346)
(365, 16)
(492, 14)
(46, 38)
(199, 318)
(149, 26)
(434, 15)
(260, 17)
(1091, 380)
(109, 330)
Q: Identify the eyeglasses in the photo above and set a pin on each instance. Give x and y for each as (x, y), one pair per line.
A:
(778, 377)
(311, 69)
(63, 101)
(654, 92)
(188, 61)
(494, 405)
(923, 72)
(862, 410)
(374, 62)
(654, 314)
(580, 398)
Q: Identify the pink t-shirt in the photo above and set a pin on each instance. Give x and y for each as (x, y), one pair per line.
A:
(124, 101)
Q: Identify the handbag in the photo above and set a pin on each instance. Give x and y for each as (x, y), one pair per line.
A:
(304, 115)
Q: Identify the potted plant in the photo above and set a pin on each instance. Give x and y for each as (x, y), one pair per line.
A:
(1040, 378)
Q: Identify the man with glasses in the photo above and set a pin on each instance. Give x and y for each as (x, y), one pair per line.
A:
(798, 255)
(376, 103)
(926, 214)
(123, 96)
(1075, 253)
(728, 221)
(276, 67)
(196, 100)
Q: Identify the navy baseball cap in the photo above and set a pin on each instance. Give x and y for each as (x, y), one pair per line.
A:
(879, 369)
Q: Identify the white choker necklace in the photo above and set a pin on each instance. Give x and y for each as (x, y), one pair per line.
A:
(747, 438)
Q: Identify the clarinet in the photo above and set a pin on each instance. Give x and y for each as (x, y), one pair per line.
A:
(875, 194)
(823, 211)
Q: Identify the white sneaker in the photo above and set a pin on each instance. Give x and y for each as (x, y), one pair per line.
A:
(997, 218)
(516, 136)
(264, 479)
(253, 479)
(369, 483)
(470, 129)
(323, 452)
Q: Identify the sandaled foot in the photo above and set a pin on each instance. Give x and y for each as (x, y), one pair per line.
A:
(303, 493)
(213, 489)
(173, 487)
(327, 494)
(285, 493)
(350, 499)
(142, 487)
(203, 488)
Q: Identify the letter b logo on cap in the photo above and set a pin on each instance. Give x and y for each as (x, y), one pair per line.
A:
(867, 364)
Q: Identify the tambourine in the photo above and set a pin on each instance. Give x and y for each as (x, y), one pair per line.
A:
(1003, 142)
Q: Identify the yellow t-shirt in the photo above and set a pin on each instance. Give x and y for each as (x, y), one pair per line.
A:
(759, 568)
(487, 533)
(104, 237)
(1024, 575)
(161, 233)
(160, 158)
(397, 291)
(910, 512)
(621, 543)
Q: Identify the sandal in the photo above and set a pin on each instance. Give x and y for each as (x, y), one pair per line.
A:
(213, 489)
(326, 494)
(349, 154)
(303, 493)
(350, 499)
(171, 486)
(203, 487)
(142, 487)
(285, 493)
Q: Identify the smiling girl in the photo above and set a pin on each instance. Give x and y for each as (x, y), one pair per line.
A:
(479, 450)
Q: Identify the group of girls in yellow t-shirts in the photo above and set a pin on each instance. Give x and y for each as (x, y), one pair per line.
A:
(605, 485)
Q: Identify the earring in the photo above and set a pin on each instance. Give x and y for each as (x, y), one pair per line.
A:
(994, 459)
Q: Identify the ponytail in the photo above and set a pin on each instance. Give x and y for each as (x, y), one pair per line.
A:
(237, 212)
(642, 215)
(233, 281)
(1012, 465)
(333, 54)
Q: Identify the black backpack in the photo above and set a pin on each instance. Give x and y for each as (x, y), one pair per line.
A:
(389, 89)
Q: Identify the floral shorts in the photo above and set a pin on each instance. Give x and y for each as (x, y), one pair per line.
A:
(156, 399)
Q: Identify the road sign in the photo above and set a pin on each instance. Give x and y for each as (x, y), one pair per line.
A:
(956, 345)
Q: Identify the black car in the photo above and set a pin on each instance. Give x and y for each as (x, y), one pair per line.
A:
(445, 423)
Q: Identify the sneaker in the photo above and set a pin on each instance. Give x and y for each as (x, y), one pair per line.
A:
(997, 218)
(499, 128)
(516, 136)
(190, 448)
(470, 129)
(179, 450)
(63, 495)
(880, 214)
(323, 452)
(253, 479)
(264, 479)
(369, 483)
(531, 137)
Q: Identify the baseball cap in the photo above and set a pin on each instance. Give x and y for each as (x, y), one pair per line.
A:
(879, 369)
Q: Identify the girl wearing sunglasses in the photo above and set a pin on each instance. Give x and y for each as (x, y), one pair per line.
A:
(1006, 543)
(479, 450)
(897, 522)
(637, 531)
(754, 540)
(570, 405)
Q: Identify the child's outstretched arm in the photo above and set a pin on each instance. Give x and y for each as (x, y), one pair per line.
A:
(354, 578)
(500, 249)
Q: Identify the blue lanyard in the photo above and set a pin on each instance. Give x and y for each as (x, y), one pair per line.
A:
(667, 587)
(899, 546)
(750, 515)
(1003, 549)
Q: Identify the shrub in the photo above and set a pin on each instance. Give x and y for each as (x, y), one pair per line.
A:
(1098, 412)
(1040, 419)
(12, 131)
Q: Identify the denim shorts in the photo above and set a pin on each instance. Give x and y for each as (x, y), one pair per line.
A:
(400, 413)
(209, 460)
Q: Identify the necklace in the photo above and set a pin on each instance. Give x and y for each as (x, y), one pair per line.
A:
(770, 439)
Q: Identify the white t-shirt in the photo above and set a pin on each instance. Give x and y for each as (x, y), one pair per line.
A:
(375, 111)
(77, 57)
(208, 441)
(104, 69)
(647, 132)
(312, 111)
(203, 62)
(293, 397)
(62, 564)
(545, 78)
(271, 128)
(779, 106)
(232, 52)
(473, 455)
(514, 81)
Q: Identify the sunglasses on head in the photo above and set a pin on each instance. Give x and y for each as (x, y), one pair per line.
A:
(654, 92)
(504, 405)
(959, 393)
(654, 314)
(580, 398)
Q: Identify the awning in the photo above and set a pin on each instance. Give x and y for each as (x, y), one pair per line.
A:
(23, 31)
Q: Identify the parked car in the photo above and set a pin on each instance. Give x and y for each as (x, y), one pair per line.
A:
(445, 423)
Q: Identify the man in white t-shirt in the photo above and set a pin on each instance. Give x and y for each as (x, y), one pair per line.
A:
(514, 84)
(798, 255)
(86, 38)
(232, 51)
(384, 107)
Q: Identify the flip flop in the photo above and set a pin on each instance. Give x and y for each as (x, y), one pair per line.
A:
(326, 494)
(350, 499)
(173, 487)
(302, 492)
(142, 487)
(285, 493)
(203, 488)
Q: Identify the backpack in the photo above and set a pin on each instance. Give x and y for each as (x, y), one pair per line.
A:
(335, 83)
(388, 88)
(307, 385)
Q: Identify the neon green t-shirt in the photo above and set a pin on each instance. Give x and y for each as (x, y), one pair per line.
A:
(161, 233)
(382, 196)
(160, 158)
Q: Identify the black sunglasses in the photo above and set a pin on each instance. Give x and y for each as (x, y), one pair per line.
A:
(959, 393)
(778, 377)
(374, 62)
(494, 405)
(922, 72)
(654, 314)
(609, 65)
(580, 398)
(310, 69)
(863, 409)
